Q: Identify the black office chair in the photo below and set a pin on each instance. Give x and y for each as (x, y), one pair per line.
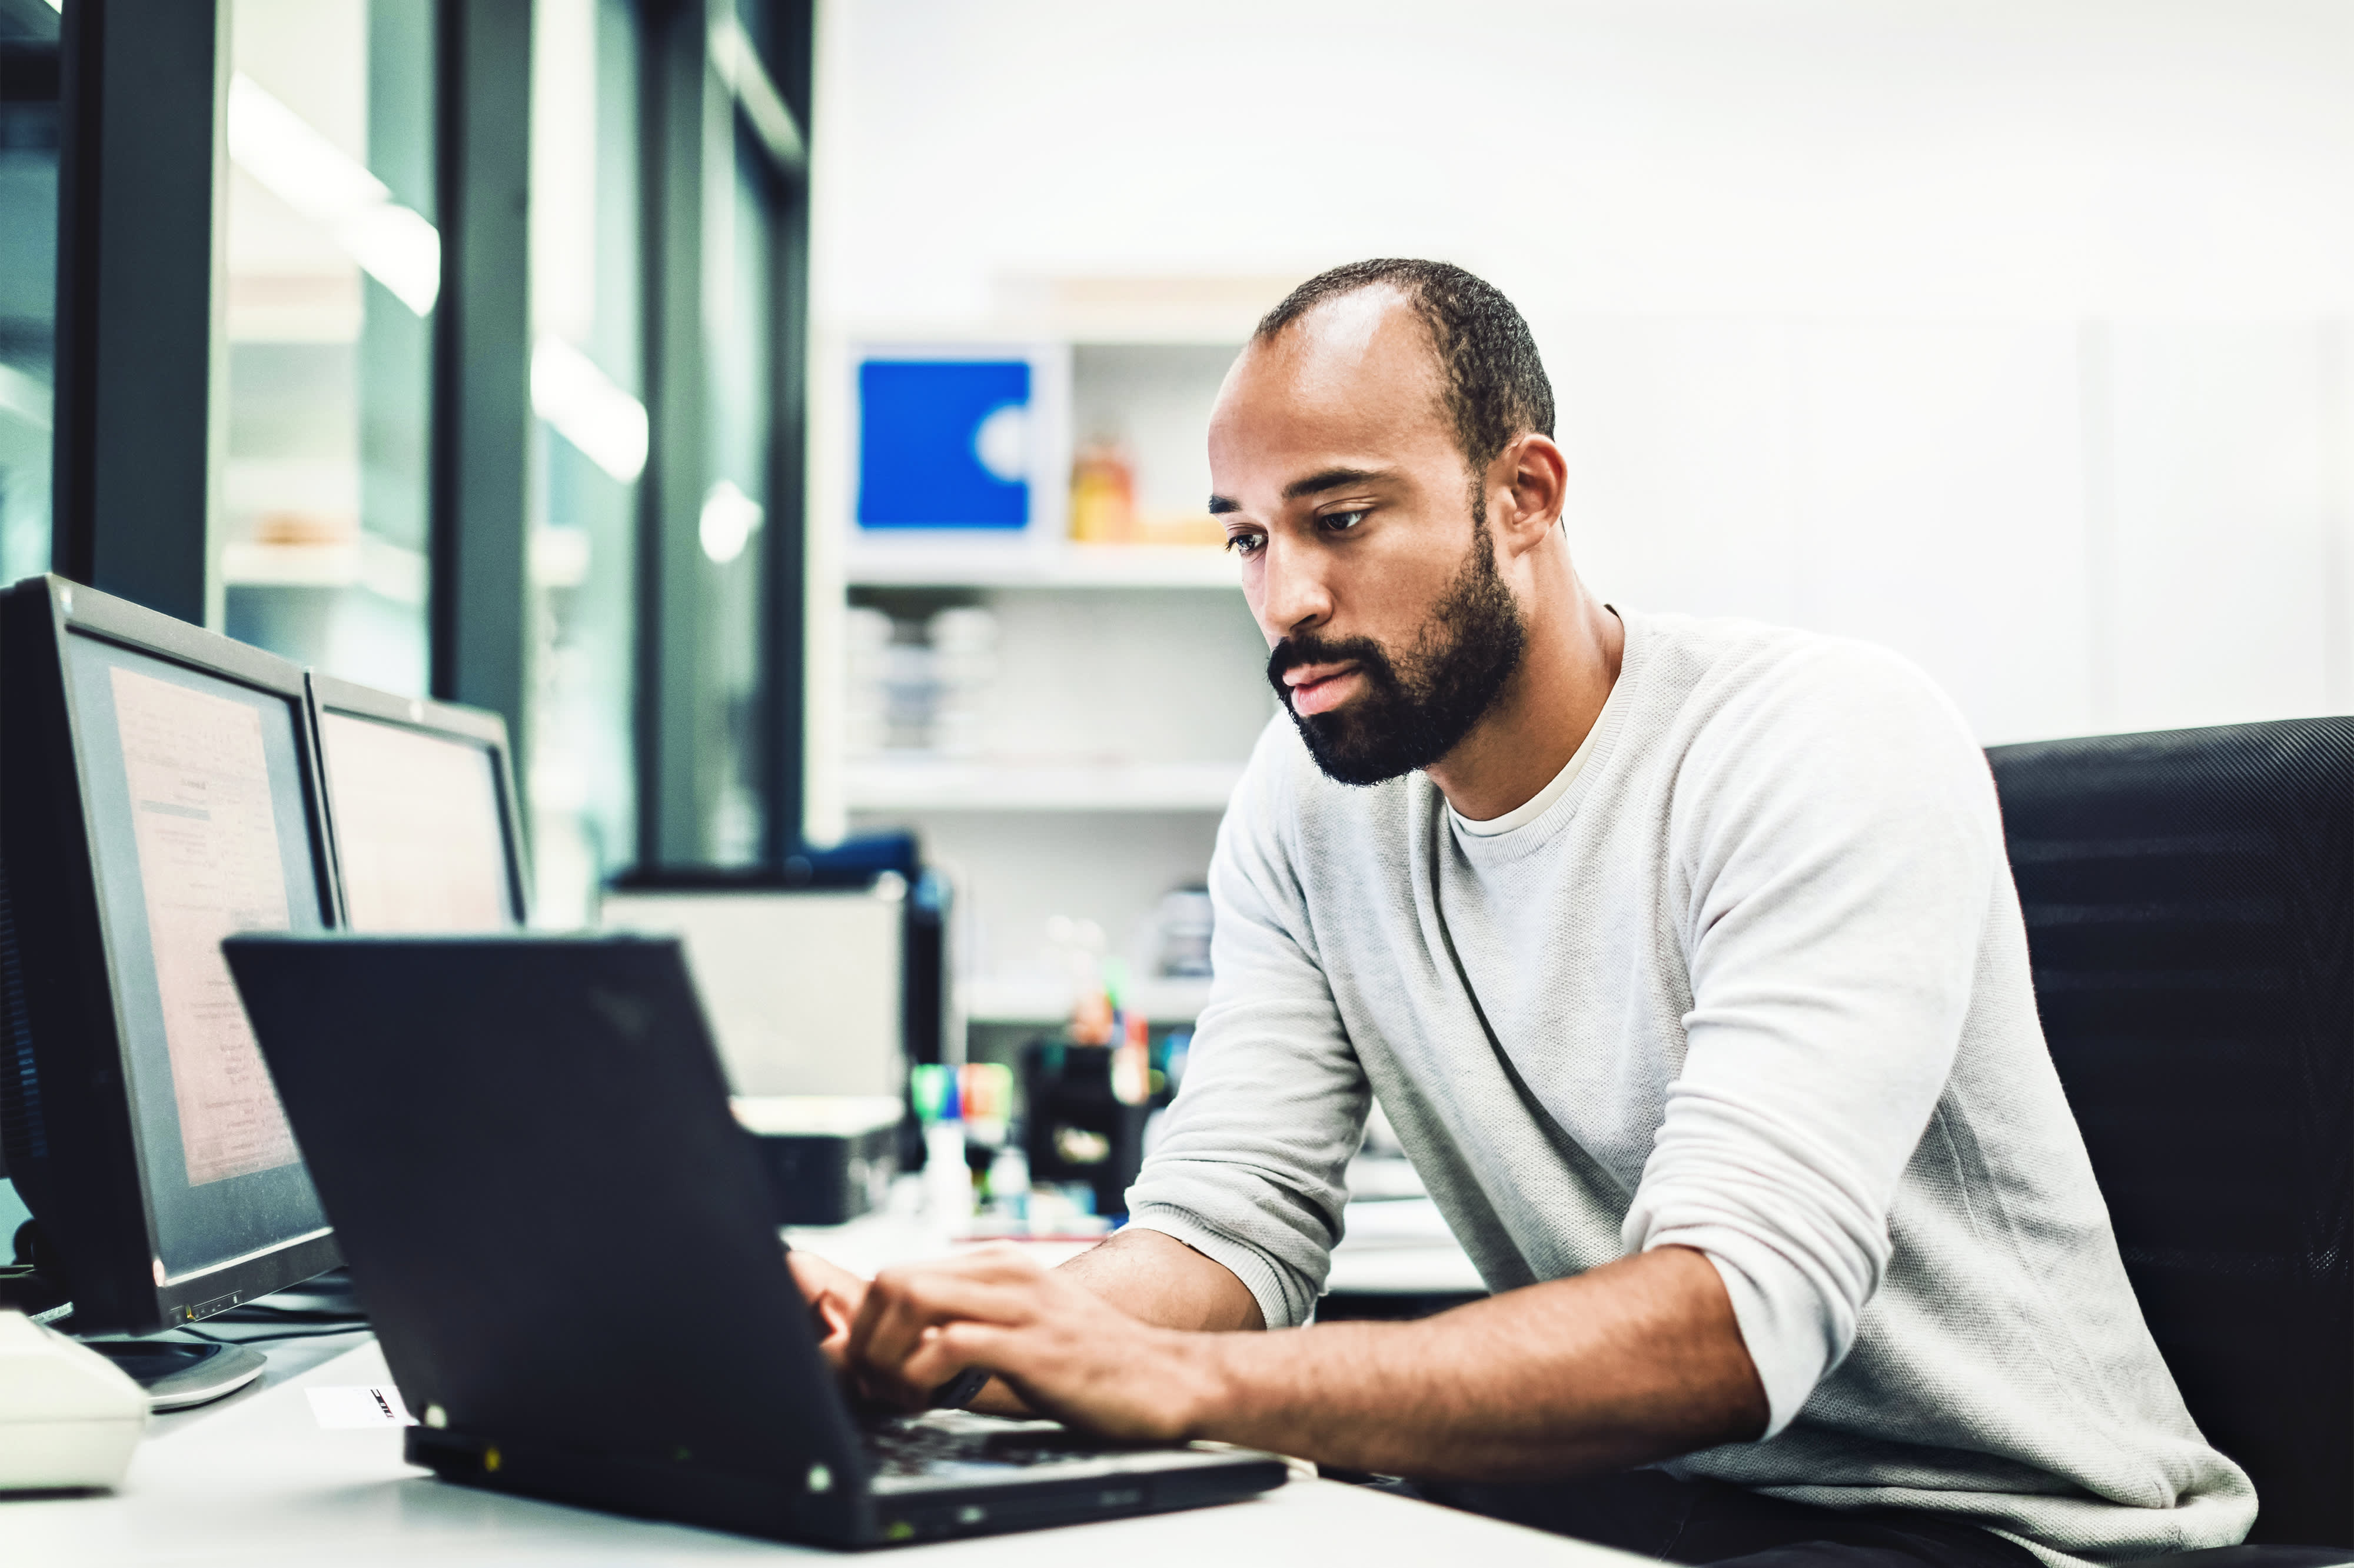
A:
(2190, 902)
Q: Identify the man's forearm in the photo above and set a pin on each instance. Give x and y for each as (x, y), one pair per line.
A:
(1630, 1363)
(1159, 1279)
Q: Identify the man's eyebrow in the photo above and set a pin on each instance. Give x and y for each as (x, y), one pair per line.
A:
(1314, 484)
(1331, 479)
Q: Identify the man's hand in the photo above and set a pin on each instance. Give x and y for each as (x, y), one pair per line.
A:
(835, 1296)
(1063, 1349)
(1154, 1278)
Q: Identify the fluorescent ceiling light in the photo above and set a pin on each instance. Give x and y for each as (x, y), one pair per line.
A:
(564, 167)
(393, 244)
(575, 396)
(729, 520)
(738, 65)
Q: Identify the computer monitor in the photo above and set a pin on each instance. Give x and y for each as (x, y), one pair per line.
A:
(158, 791)
(420, 811)
(805, 988)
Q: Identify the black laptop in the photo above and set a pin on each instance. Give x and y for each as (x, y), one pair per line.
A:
(564, 1241)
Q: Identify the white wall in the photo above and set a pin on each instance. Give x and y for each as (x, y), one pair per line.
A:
(2003, 330)
(2076, 528)
(1927, 157)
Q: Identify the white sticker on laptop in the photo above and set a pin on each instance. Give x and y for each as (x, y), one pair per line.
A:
(355, 1407)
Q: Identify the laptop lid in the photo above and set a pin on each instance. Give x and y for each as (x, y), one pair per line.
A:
(556, 1226)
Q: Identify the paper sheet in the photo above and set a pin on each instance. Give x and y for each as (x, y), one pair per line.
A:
(343, 1409)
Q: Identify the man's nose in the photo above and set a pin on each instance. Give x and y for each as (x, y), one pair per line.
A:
(1293, 595)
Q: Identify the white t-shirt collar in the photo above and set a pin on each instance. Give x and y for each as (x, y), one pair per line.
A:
(1536, 805)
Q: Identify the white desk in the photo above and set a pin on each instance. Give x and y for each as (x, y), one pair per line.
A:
(1394, 1246)
(1400, 1246)
(254, 1482)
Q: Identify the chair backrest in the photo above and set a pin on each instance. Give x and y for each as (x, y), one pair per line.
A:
(2190, 905)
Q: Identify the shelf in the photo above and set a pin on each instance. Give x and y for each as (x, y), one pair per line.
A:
(384, 569)
(1068, 566)
(1045, 1001)
(290, 565)
(944, 786)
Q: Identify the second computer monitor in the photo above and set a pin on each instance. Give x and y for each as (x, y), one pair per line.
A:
(421, 810)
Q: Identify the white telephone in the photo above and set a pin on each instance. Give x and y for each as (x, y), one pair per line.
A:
(68, 1417)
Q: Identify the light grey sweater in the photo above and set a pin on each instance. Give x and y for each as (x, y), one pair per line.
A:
(1756, 983)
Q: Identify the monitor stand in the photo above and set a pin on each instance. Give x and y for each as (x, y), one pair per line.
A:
(178, 1373)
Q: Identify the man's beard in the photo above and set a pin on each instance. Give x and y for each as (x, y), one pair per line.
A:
(1415, 711)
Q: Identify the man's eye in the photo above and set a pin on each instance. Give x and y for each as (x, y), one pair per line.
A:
(1245, 544)
(1341, 522)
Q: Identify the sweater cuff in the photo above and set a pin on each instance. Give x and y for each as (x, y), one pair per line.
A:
(1780, 1317)
(1246, 1263)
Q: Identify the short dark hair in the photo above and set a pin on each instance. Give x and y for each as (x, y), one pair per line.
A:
(1496, 386)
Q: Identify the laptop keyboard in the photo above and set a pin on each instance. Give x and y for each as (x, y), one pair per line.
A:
(948, 1444)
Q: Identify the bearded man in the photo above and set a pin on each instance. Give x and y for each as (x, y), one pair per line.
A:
(1684, 956)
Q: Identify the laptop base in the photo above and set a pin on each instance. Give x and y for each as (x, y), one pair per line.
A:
(685, 1492)
(681, 1491)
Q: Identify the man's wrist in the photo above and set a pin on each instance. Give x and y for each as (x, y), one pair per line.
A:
(961, 1391)
(1212, 1380)
(997, 1398)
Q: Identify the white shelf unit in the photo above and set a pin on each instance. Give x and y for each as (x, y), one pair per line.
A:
(951, 786)
(1129, 690)
(1059, 567)
(386, 569)
(1018, 1000)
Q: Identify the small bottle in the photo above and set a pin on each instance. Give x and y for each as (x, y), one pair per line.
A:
(1009, 1185)
(1103, 495)
(947, 1180)
(1131, 1062)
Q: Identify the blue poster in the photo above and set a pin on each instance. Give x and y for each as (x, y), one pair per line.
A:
(944, 444)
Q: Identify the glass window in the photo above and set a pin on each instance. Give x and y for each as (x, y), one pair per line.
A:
(739, 346)
(28, 278)
(335, 265)
(588, 447)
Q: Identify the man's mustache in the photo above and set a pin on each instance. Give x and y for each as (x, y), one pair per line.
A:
(1293, 652)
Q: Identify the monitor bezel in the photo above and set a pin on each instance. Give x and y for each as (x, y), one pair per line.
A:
(90, 1187)
(475, 727)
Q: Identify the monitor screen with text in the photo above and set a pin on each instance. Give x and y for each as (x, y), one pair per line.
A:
(420, 833)
(199, 828)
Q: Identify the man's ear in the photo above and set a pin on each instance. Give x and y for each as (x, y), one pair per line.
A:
(1532, 477)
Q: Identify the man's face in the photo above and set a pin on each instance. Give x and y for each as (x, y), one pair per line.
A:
(1366, 558)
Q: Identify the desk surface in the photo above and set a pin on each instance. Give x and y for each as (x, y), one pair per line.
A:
(255, 1482)
(1393, 1247)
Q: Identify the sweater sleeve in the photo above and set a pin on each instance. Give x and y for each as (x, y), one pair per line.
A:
(1837, 833)
(1251, 1163)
